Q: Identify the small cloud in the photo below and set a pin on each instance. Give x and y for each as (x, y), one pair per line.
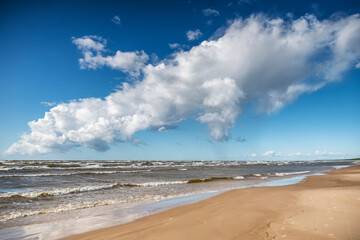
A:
(270, 154)
(315, 7)
(50, 104)
(318, 152)
(254, 155)
(193, 35)
(209, 22)
(164, 128)
(178, 46)
(90, 43)
(116, 20)
(94, 52)
(136, 142)
(174, 45)
(290, 15)
(357, 65)
(161, 129)
(210, 12)
(240, 139)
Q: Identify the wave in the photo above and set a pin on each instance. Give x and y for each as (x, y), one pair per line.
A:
(15, 168)
(80, 189)
(238, 178)
(214, 179)
(290, 173)
(60, 208)
(152, 184)
(72, 173)
(81, 205)
(57, 174)
(20, 165)
(56, 192)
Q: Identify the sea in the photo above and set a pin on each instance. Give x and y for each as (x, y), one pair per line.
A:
(54, 199)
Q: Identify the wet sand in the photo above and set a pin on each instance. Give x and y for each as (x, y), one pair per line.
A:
(321, 207)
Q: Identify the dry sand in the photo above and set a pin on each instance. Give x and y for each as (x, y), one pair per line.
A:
(321, 207)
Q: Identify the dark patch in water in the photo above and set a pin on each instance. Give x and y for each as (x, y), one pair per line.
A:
(63, 166)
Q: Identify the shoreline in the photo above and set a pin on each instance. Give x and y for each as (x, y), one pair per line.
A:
(123, 213)
(290, 213)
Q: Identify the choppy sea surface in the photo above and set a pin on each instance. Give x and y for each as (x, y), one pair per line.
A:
(41, 192)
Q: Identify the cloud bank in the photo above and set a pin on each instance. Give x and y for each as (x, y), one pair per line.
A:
(315, 155)
(269, 62)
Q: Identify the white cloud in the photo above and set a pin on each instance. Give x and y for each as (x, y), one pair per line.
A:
(326, 153)
(163, 128)
(270, 154)
(357, 65)
(174, 45)
(253, 154)
(210, 12)
(269, 62)
(50, 104)
(90, 43)
(116, 20)
(178, 46)
(93, 48)
(193, 35)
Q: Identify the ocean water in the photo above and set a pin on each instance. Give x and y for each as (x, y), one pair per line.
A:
(34, 193)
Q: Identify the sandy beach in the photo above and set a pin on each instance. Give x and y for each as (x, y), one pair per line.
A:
(321, 207)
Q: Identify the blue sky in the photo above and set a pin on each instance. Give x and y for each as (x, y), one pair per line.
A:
(184, 99)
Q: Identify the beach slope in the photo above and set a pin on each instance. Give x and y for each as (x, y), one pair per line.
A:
(321, 207)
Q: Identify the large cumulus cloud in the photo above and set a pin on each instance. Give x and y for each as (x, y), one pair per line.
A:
(269, 62)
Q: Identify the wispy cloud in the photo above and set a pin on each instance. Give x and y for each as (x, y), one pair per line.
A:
(193, 35)
(164, 128)
(270, 153)
(266, 61)
(300, 155)
(210, 12)
(174, 45)
(178, 46)
(50, 104)
(116, 20)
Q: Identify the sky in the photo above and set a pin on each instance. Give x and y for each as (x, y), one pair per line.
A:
(180, 80)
